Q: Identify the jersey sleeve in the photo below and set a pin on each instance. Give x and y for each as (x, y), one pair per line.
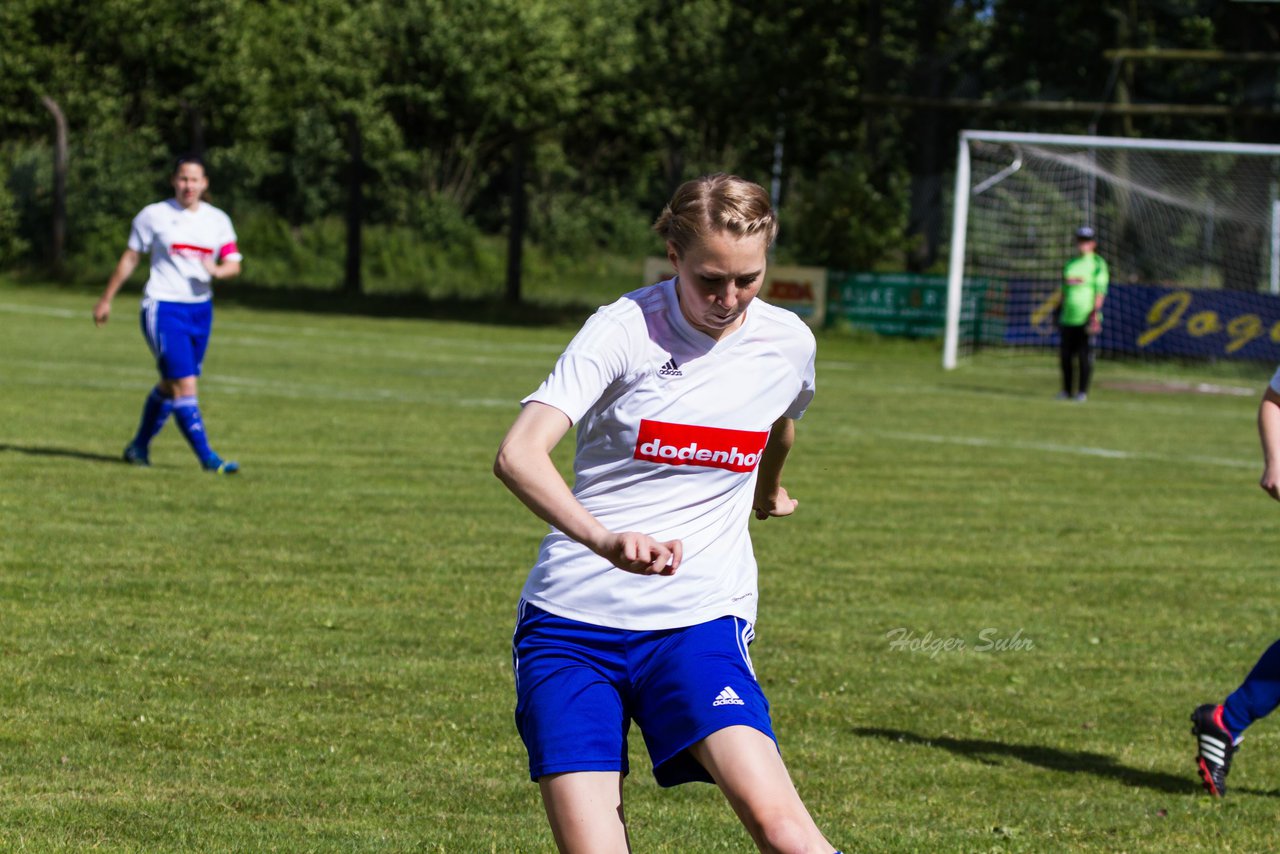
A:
(597, 356)
(227, 248)
(1101, 277)
(141, 233)
(807, 388)
(1275, 381)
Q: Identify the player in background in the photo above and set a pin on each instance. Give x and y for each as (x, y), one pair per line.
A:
(1219, 728)
(1084, 289)
(642, 602)
(190, 243)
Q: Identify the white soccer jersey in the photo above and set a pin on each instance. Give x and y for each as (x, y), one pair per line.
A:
(671, 426)
(179, 240)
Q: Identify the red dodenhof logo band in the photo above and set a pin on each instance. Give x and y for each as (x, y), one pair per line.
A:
(692, 445)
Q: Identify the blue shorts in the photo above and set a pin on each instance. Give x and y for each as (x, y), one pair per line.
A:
(178, 335)
(579, 686)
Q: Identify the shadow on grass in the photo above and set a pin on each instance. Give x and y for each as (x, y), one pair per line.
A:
(1054, 759)
(490, 310)
(37, 451)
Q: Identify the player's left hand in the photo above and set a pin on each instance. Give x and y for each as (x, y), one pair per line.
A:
(778, 504)
(1270, 481)
(210, 265)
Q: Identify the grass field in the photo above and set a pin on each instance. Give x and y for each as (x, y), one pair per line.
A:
(314, 655)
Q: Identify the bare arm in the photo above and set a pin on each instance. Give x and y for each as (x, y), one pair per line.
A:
(524, 464)
(124, 269)
(1269, 432)
(222, 269)
(771, 498)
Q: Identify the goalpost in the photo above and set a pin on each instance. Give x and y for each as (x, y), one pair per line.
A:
(1177, 221)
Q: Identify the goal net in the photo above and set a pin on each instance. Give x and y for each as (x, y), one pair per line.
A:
(1189, 230)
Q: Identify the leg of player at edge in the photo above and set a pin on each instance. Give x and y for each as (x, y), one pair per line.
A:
(1219, 729)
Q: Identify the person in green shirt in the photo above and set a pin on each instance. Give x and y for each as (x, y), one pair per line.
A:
(1084, 288)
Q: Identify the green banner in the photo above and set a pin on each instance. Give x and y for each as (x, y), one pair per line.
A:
(911, 304)
(891, 303)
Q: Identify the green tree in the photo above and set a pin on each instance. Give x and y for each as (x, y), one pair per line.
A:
(325, 116)
(480, 87)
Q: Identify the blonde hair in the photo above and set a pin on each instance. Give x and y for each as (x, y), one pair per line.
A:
(716, 203)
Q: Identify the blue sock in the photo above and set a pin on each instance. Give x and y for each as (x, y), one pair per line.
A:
(186, 411)
(1257, 696)
(154, 413)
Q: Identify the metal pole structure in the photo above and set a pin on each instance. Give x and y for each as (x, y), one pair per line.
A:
(963, 197)
(1121, 142)
(1275, 242)
(955, 269)
(1207, 249)
(57, 252)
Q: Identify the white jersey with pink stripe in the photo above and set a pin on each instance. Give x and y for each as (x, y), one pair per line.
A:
(671, 428)
(179, 241)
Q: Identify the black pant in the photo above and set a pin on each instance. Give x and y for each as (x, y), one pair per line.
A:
(1075, 347)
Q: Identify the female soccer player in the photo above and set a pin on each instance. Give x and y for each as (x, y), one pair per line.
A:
(642, 601)
(1219, 728)
(190, 242)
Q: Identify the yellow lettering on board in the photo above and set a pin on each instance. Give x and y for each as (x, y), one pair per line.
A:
(1203, 323)
(1243, 329)
(1044, 311)
(1163, 315)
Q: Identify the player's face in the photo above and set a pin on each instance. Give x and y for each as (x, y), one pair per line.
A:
(189, 184)
(1087, 246)
(718, 278)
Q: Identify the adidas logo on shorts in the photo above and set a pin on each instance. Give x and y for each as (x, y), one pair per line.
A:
(728, 697)
(670, 369)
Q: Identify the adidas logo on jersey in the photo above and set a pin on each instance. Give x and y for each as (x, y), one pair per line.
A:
(694, 445)
(670, 369)
(728, 697)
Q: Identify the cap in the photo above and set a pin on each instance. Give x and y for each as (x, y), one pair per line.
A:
(1084, 232)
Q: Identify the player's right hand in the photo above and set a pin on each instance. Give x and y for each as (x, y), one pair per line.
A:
(641, 554)
(101, 312)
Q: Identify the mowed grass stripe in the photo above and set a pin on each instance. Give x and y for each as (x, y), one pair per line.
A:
(1005, 444)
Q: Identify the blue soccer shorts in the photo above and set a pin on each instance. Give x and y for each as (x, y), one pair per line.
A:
(579, 686)
(178, 335)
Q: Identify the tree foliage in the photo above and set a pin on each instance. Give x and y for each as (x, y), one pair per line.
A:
(615, 102)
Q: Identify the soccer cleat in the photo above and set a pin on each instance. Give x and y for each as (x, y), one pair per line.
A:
(1215, 748)
(136, 456)
(1081, 397)
(1062, 395)
(217, 465)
